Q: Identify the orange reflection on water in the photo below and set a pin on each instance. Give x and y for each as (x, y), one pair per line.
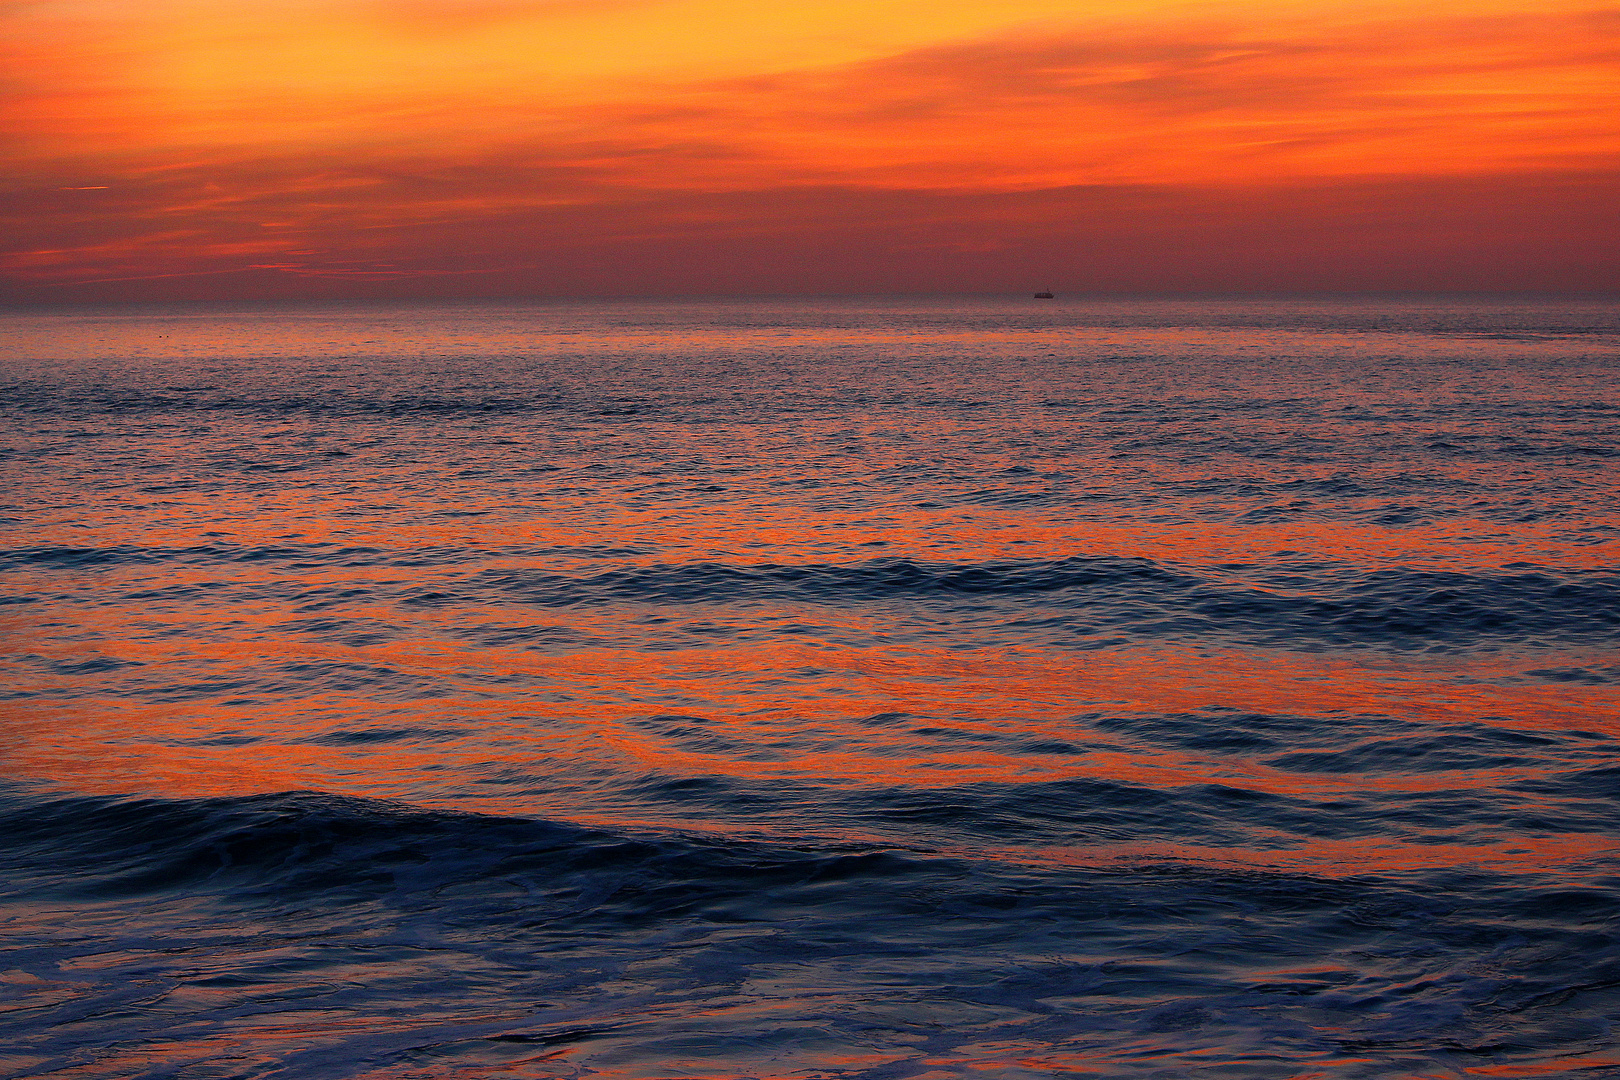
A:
(507, 532)
(507, 730)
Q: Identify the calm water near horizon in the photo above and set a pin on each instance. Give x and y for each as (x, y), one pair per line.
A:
(856, 688)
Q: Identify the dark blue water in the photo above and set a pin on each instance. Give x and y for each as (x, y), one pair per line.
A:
(814, 689)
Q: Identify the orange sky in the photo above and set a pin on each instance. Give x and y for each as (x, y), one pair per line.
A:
(208, 149)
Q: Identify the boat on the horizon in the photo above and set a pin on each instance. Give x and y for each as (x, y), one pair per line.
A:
(1043, 295)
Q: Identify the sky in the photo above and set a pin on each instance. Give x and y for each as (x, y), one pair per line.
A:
(215, 150)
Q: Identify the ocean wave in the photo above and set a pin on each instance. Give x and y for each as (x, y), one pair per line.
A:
(513, 691)
(1295, 604)
(302, 935)
(311, 847)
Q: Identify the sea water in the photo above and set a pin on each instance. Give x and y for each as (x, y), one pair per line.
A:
(812, 688)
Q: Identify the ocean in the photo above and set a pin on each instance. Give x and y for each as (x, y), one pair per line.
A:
(820, 688)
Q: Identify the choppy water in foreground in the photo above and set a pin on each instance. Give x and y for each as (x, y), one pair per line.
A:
(908, 689)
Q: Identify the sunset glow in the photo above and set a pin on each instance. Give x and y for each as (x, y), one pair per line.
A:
(455, 147)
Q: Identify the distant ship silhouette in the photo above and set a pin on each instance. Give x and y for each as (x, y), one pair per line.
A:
(1043, 295)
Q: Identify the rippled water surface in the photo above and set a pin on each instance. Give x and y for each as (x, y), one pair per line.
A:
(909, 689)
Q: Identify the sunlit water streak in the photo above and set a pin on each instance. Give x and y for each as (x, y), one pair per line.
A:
(812, 688)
